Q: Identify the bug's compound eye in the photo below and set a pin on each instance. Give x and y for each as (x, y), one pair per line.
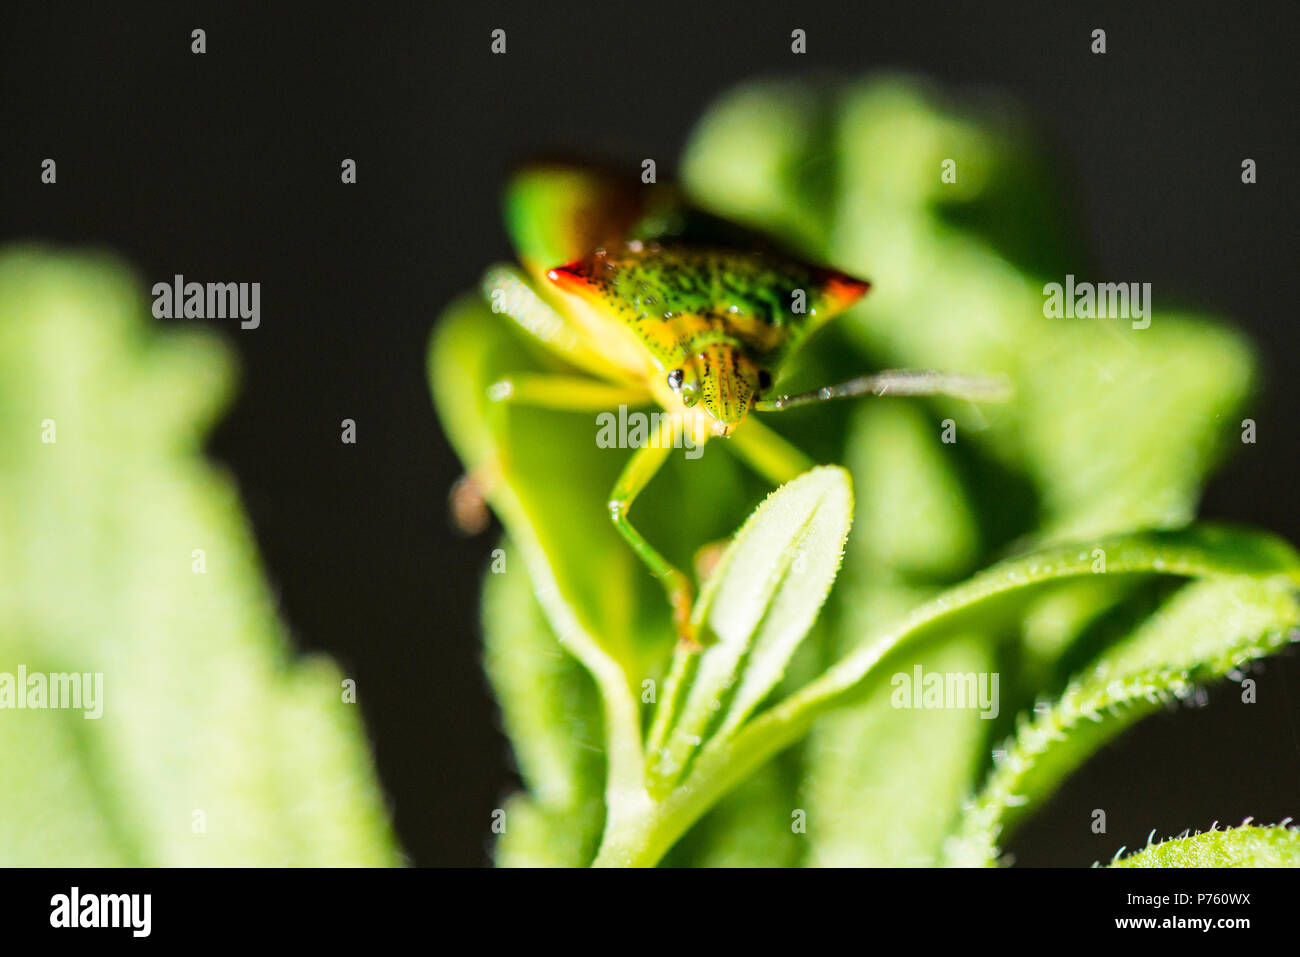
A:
(675, 380)
(764, 380)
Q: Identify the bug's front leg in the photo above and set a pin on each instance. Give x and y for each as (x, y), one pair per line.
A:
(566, 393)
(767, 453)
(636, 475)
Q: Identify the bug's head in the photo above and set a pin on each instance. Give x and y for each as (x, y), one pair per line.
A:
(722, 380)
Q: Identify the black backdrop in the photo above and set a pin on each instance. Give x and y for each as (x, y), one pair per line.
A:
(226, 166)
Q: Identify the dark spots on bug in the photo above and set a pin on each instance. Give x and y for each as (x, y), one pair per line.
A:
(670, 294)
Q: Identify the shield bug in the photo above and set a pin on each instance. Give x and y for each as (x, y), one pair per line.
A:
(659, 302)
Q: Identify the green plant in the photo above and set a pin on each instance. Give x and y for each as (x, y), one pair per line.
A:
(1097, 591)
(125, 554)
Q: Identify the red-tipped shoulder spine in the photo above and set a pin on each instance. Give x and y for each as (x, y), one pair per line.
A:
(843, 291)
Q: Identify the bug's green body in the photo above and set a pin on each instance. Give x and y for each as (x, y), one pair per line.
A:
(723, 317)
(671, 295)
(665, 303)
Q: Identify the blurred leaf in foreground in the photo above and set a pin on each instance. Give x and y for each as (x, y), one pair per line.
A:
(124, 553)
(551, 713)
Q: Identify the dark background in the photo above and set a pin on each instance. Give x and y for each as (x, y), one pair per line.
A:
(226, 167)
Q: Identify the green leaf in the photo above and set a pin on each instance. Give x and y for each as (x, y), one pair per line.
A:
(606, 621)
(756, 825)
(917, 523)
(1198, 552)
(1205, 630)
(756, 608)
(762, 150)
(883, 785)
(551, 713)
(216, 745)
(1245, 846)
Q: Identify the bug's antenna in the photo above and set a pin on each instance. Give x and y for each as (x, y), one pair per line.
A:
(898, 382)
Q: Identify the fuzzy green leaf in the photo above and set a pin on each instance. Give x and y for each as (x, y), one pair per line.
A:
(1205, 630)
(1245, 846)
(1199, 552)
(1266, 569)
(216, 745)
(757, 606)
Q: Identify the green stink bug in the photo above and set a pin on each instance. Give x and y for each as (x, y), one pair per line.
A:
(659, 302)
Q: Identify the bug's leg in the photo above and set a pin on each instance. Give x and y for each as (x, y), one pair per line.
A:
(563, 393)
(898, 382)
(569, 393)
(767, 453)
(636, 475)
(468, 498)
